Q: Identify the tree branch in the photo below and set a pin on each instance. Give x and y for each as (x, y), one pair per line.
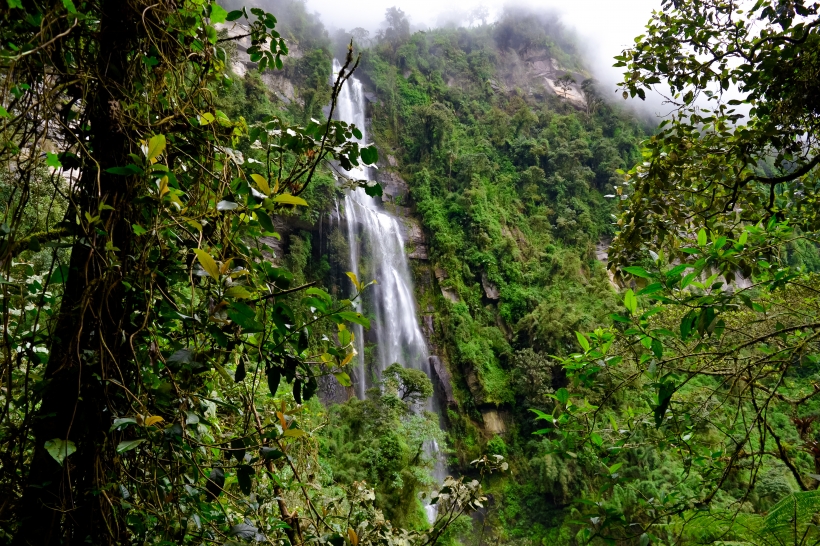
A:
(283, 292)
(40, 237)
(232, 38)
(785, 458)
(805, 169)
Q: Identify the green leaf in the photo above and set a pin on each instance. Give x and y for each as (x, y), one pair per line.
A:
(288, 199)
(271, 454)
(562, 395)
(304, 340)
(637, 271)
(238, 449)
(59, 275)
(541, 415)
(240, 373)
(618, 318)
(239, 292)
(665, 392)
(15, 4)
(156, 145)
(657, 348)
(244, 316)
(686, 325)
(702, 239)
(207, 263)
(614, 468)
(353, 316)
(343, 379)
(59, 449)
(651, 289)
(128, 445)
(582, 340)
(374, 190)
(128, 170)
(678, 269)
(69, 6)
(138, 230)
(321, 294)
(630, 301)
(121, 422)
(218, 13)
(596, 439)
(274, 376)
(369, 155)
(234, 15)
(53, 161)
(263, 184)
(613, 423)
(316, 304)
(182, 356)
(265, 221)
(216, 481)
(3, 112)
(687, 280)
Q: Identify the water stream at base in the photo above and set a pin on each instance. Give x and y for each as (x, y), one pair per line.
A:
(375, 240)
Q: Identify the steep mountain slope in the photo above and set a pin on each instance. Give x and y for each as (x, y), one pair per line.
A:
(507, 172)
(496, 152)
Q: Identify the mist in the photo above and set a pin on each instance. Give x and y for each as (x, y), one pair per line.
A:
(603, 28)
(600, 29)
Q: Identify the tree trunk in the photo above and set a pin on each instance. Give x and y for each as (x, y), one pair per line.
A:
(72, 503)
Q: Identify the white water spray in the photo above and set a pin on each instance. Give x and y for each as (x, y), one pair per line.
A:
(377, 252)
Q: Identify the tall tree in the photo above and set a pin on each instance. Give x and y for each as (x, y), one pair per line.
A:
(742, 142)
(123, 91)
(712, 364)
(397, 26)
(145, 329)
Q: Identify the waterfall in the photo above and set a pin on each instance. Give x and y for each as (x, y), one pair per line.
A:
(377, 252)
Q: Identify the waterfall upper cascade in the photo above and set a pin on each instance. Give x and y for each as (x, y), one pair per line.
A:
(377, 252)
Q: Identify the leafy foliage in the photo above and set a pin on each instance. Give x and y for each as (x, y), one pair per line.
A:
(711, 365)
(713, 164)
(383, 440)
(509, 185)
(157, 362)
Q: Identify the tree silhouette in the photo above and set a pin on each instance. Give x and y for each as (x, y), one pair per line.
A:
(565, 83)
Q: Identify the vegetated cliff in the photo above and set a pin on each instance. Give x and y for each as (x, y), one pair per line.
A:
(507, 172)
(496, 153)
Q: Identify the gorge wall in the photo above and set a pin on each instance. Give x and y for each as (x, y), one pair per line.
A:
(496, 177)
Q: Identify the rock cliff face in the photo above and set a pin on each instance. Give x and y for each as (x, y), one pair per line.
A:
(395, 194)
(397, 200)
(537, 73)
(442, 382)
(277, 83)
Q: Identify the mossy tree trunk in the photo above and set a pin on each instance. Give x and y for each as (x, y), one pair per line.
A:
(72, 503)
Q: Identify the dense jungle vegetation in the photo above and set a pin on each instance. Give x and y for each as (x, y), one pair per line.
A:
(627, 309)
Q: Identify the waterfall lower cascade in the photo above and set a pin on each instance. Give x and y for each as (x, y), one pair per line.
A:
(377, 252)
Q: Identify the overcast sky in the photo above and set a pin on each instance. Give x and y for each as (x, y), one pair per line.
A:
(608, 25)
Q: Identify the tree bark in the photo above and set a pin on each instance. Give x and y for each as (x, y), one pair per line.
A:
(72, 503)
